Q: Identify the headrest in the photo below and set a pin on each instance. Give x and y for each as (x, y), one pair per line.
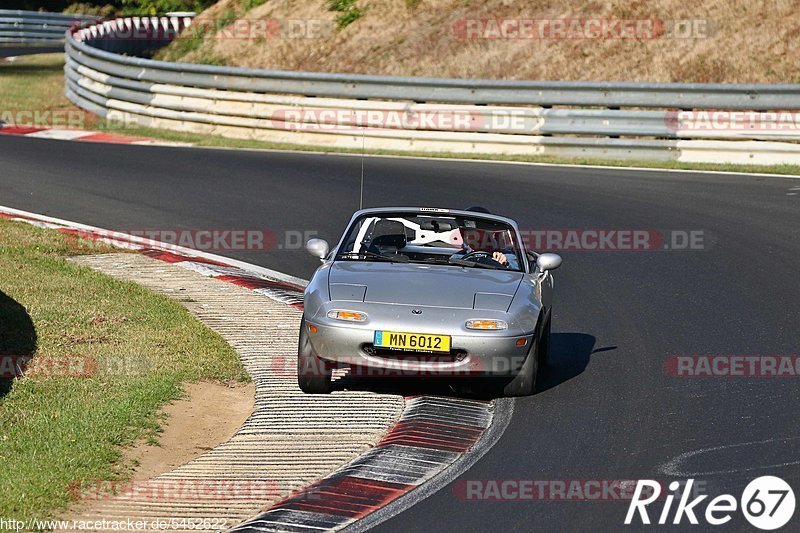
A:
(388, 233)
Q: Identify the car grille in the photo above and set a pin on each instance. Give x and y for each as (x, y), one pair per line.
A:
(419, 357)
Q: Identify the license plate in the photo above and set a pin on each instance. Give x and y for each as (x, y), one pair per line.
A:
(418, 342)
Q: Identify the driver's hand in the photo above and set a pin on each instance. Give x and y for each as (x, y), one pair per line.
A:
(500, 257)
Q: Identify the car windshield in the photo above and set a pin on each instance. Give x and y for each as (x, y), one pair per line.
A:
(463, 241)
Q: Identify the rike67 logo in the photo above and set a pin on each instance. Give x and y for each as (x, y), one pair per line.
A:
(767, 502)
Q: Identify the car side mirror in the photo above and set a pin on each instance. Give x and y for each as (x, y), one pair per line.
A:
(547, 262)
(318, 248)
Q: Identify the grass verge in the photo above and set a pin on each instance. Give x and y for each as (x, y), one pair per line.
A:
(105, 356)
(37, 83)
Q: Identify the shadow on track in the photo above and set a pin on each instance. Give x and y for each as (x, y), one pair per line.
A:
(404, 386)
(17, 340)
(569, 356)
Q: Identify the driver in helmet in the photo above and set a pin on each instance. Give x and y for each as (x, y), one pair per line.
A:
(497, 256)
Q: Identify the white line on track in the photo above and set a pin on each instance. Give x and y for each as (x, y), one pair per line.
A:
(484, 161)
(498, 162)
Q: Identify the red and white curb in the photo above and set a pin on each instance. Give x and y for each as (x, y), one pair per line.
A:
(435, 439)
(82, 135)
(433, 434)
(276, 285)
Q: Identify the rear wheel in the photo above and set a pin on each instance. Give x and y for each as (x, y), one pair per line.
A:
(313, 374)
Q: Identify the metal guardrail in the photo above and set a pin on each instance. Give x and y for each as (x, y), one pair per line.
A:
(19, 27)
(607, 94)
(422, 114)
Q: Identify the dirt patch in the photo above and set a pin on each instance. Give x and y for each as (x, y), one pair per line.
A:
(209, 416)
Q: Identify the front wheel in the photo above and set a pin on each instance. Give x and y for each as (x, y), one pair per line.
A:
(544, 344)
(524, 383)
(313, 374)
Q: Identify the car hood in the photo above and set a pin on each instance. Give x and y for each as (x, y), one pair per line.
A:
(429, 285)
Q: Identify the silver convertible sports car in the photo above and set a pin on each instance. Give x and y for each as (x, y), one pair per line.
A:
(428, 292)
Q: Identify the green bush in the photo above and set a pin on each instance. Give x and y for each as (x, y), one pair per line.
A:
(251, 4)
(348, 12)
(85, 8)
(126, 7)
(56, 6)
(159, 7)
(229, 16)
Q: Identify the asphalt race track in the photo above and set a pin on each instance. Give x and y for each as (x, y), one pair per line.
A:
(607, 410)
(22, 50)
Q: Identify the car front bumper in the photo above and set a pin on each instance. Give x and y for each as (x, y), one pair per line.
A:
(482, 353)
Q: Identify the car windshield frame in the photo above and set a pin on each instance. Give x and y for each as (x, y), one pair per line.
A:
(353, 239)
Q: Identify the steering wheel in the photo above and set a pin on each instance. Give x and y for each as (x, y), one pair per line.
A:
(481, 256)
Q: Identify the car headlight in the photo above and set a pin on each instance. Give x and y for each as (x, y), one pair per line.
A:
(350, 316)
(486, 324)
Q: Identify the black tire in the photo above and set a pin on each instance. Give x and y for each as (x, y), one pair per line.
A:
(524, 383)
(313, 374)
(544, 343)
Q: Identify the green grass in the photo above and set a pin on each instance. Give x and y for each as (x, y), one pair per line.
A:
(137, 348)
(193, 38)
(189, 41)
(155, 7)
(347, 12)
(36, 84)
(247, 5)
(40, 82)
(227, 17)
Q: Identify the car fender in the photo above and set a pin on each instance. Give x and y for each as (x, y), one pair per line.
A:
(317, 292)
(526, 305)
